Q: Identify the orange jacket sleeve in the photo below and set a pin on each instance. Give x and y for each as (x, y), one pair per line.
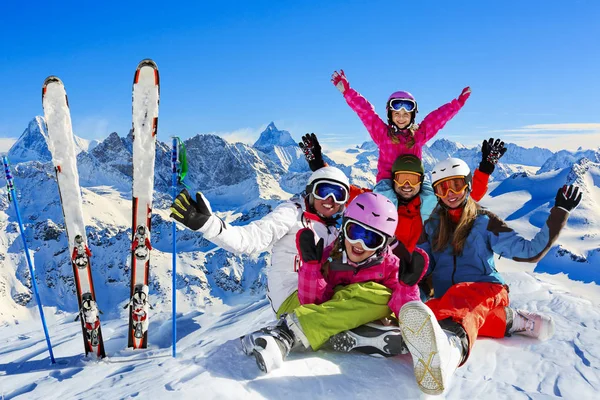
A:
(480, 185)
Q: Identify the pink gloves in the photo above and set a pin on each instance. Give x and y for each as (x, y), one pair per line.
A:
(340, 81)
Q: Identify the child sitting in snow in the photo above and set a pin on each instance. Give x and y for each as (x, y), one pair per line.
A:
(354, 281)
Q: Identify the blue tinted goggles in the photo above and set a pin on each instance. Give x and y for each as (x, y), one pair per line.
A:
(406, 104)
(356, 232)
(324, 189)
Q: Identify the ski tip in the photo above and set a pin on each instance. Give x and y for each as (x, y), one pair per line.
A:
(49, 80)
(150, 64)
(147, 63)
(52, 79)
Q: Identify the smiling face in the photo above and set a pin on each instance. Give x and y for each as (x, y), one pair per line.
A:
(401, 118)
(454, 200)
(356, 253)
(406, 191)
(327, 208)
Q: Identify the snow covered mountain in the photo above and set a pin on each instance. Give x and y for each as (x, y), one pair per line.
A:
(281, 149)
(221, 296)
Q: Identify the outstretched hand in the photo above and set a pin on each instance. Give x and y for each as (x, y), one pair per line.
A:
(193, 214)
(340, 81)
(308, 250)
(312, 151)
(491, 152)
(568, 197)
(464, 95)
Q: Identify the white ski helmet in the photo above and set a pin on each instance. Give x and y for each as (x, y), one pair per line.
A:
(449, 168)
(329, 174)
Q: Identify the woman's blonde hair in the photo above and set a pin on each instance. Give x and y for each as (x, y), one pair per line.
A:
(393, 133)
(452, 234)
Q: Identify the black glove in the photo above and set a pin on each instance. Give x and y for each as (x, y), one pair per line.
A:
(490, 154)
(568, 197)
(411, 264)
(192, 214)
(312, 151)
(305, 242)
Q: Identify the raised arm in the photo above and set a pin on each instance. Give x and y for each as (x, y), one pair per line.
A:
(254, 238)
(491, 152)
(376, 127)
(435, 120)
(506, 242)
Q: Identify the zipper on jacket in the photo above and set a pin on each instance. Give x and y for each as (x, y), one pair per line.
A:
(454, 272)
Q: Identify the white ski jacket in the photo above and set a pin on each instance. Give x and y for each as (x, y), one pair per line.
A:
(276, 231)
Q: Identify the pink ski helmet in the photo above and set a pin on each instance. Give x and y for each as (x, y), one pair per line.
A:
(401, 95)
(375, 211)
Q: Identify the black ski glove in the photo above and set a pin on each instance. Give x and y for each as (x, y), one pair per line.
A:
(411, 264)
(193, 214)
(568, 197)
(491, 152)
(308, 250)
(312, 151)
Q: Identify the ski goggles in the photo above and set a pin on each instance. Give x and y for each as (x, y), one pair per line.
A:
(356, 232)
(323, 189)
(456, 184)
(406, 104)
(412, 178)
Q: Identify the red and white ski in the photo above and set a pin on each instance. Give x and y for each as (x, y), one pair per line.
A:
(146, 93)
(62, 146)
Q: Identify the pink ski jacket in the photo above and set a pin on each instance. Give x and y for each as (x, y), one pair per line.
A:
(378, 129)
(314, 288)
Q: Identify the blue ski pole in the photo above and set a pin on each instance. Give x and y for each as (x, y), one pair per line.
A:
(12, 194)
(174, 162)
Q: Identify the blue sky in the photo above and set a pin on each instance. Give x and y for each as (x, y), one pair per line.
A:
(232, 68)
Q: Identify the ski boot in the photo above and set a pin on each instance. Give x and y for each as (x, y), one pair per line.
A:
(436, 352)
(271, 345)
(530, 324)
(373, 338)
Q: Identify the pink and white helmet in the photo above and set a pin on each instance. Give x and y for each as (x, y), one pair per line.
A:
(401, 94)
(375, 211)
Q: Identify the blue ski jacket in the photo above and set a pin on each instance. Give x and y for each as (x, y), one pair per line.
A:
(488, 235)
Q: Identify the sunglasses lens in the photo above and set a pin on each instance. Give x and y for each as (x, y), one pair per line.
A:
(455, 184)
(402, 177)
(370, 238)
(398, 104)
(324, 189)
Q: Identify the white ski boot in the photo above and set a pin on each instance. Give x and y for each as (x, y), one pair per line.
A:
(436, 353)
(272, 345)
(373, 338)
(530, 324)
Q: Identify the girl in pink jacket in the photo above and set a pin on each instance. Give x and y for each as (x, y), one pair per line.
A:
(356, 280)
(400, 134)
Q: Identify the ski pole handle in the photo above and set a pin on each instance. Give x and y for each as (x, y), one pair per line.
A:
(175, 155)
(9, 177)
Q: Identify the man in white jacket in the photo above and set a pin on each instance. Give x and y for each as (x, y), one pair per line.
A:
(327, 192)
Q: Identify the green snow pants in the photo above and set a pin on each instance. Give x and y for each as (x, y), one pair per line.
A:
(351, 306)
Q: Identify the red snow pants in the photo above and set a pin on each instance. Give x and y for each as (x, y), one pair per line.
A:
(477, 306)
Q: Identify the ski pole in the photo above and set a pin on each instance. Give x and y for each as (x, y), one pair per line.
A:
(11, 193)
(174, 162)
